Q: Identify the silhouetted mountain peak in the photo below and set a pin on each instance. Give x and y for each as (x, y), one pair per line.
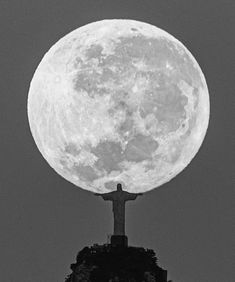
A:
(106, 263)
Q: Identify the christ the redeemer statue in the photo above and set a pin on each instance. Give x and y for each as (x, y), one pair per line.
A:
(119, 198)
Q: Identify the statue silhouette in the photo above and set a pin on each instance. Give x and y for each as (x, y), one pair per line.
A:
(116, 261)
(119, 198)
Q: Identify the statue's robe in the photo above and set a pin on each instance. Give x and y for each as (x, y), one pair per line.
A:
(119, 198)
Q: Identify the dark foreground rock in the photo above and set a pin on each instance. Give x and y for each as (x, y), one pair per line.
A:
(105, 263)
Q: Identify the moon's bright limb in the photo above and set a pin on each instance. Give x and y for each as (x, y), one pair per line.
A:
(118, 101)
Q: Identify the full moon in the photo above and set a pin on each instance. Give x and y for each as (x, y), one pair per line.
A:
(118, 101)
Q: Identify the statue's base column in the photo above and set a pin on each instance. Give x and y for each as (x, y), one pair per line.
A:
(119, 241)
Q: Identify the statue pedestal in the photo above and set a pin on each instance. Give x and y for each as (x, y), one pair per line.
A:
(119, 241)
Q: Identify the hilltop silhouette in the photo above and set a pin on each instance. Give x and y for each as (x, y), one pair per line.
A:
(107, 263)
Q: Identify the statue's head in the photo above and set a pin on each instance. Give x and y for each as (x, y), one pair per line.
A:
(119, 187)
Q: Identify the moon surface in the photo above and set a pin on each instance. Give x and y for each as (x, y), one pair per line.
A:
(118, 101)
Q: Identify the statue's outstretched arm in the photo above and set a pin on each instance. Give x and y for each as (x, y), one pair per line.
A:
(105, 196)
(102, 194)
(133, 196)
(97, 194)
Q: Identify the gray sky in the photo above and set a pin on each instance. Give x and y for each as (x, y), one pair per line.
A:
(45, 220)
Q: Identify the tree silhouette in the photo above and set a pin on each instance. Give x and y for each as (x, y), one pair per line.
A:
(104, 263)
